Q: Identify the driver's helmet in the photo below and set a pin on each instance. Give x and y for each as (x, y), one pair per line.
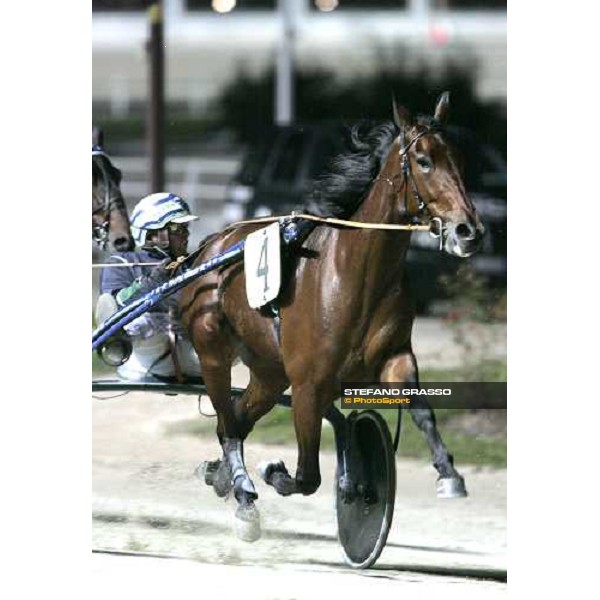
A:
(155, 212)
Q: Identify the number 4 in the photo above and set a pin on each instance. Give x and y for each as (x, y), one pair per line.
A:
(263, 267)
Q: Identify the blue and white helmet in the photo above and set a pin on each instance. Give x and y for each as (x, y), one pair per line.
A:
(156, 211)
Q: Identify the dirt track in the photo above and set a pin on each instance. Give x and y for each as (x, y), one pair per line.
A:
(147, 499)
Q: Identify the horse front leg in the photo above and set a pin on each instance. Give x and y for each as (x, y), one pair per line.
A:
(403, 369)
(308, 407)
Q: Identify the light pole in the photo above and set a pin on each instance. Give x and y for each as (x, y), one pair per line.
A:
(284, 86)
(156, 109)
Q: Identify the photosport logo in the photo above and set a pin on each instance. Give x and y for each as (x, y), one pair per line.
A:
(473, 395)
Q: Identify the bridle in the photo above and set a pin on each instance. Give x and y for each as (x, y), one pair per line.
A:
(409, 180)
(100, 231)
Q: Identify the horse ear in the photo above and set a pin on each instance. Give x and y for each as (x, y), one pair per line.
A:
(442, 108)
(402, 116)
(97, 136)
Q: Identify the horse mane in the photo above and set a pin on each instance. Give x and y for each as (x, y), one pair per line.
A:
(339, 192)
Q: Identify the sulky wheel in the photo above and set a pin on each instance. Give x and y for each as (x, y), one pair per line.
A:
(365, 518)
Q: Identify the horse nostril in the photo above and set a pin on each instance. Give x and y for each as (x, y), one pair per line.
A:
(465, 231)
(121, 244)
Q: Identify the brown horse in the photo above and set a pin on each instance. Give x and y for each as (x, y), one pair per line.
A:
(110, 221)
(345, 312)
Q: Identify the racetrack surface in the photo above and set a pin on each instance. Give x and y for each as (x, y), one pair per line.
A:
(147, 499)
(120, 577)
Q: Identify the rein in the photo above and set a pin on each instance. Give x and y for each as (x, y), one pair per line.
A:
(170, 267)
(332, 221)
(283, 219)
(121, 265)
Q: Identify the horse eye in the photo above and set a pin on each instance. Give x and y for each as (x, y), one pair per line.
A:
(425, 163)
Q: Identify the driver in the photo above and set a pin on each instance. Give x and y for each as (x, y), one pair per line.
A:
(160, 348)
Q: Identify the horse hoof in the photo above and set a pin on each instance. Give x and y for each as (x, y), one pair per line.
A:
(451, 487)
(217, 474)
(207, 470)
(247, 523)
(222, 483)
(266, 470)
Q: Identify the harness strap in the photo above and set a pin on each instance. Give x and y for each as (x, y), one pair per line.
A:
(406, 171)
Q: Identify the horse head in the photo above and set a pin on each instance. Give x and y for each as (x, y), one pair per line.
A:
(432, 181)
(110, 221)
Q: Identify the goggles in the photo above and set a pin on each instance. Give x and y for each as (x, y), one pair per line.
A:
(178, 228)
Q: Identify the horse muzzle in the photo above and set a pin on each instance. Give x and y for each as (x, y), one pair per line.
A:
(122, 243)
(463, 239)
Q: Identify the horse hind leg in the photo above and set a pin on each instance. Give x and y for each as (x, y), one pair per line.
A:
(227, 474)
(217, 473)
(403, 369)
(216, 356)
(258, 398)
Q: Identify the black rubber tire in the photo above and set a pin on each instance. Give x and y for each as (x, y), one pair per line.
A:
(363, 525)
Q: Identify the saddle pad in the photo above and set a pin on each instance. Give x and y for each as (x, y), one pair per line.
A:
(262, 265)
